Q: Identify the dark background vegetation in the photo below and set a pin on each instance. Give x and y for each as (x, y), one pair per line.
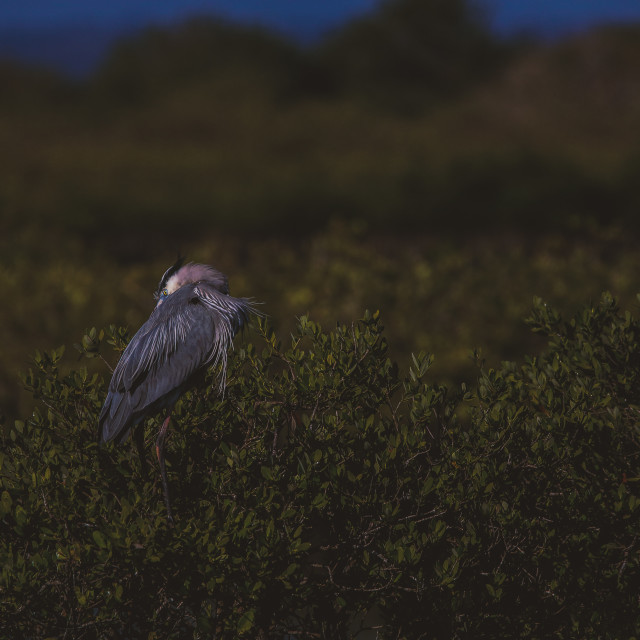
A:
(409, 162)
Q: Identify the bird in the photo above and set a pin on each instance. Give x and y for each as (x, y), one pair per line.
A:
(191, 328)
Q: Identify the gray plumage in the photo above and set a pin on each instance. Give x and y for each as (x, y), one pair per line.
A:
(191, 327)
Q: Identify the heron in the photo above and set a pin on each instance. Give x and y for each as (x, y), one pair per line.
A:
(190, 329)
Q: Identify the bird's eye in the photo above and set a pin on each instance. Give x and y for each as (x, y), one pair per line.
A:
(165, 293)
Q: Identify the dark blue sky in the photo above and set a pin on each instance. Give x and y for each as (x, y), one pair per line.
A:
(73, 34)
(508, 15)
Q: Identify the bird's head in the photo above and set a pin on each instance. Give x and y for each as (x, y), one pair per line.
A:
(181, 274)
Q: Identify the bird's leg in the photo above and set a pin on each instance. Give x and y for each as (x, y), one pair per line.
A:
(138, 437)
(163, 472)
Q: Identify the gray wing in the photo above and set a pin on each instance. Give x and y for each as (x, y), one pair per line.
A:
(193, 327)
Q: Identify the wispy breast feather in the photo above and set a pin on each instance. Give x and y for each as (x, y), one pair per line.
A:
(233, 312)
(229, 316)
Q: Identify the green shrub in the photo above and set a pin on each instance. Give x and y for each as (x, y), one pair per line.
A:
(323, 493)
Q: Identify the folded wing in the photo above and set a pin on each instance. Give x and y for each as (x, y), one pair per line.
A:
(192, 328)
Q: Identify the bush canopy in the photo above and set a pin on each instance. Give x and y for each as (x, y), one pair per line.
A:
(326, 495)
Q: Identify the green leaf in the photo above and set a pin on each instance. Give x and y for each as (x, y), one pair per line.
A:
(99, 539)
(20, 515)
(246, 621)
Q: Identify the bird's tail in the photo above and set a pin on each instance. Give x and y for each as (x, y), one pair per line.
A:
(116, 418)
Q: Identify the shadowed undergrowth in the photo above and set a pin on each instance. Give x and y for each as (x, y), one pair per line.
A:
(326, 493)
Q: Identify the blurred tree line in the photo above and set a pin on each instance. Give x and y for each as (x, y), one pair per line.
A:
(409, 162)
(407, 55)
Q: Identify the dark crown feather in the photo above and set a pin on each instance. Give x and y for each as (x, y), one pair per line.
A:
(167, 274)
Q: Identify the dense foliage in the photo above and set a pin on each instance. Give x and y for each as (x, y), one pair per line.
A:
(439, 294)
(324, 494)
